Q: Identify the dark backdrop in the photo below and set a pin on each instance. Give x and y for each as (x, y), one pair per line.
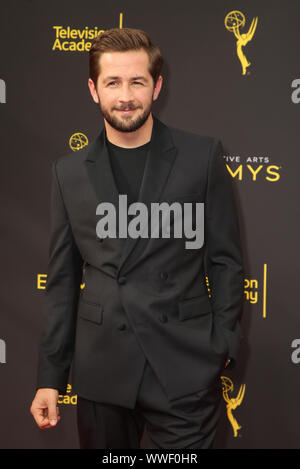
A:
(45, 100)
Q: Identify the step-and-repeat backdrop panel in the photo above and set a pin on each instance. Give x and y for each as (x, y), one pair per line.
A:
(231, 71)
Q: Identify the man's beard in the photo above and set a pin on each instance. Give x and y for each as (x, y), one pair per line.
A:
(129, 125)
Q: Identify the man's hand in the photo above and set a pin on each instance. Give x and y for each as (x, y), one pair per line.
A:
(44, 408)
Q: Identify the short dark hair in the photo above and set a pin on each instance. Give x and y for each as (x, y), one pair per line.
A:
(121, 40)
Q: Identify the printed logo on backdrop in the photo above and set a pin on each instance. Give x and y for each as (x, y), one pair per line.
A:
(2, 351)
(295, 97)
(232, 402)
(77, 141)
(70, 39)
(68, 398)
(256, 293)
(295, 356)
(42, 281)
(235, 20)
(2, 91)
(253, 168)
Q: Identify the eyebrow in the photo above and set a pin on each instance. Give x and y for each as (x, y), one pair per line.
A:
(117, 78)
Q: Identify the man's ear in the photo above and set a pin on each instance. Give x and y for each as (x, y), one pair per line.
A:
(93, 90)
(157, 87)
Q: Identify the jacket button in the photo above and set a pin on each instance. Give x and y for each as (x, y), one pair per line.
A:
(163, 317)
(164, 275)
(121, 280)
(122, 327)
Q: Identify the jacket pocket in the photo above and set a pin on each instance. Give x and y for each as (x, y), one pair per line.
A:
(90, 311)
(194, 307)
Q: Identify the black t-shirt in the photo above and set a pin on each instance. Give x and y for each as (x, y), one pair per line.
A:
(128, 167)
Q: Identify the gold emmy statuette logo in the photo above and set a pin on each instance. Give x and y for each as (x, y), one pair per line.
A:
(233, 21)
(232, 403)
(78, 141)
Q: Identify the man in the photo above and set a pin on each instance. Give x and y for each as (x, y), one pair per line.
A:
(146, 342)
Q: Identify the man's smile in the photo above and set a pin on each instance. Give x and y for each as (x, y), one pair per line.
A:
(126, 111)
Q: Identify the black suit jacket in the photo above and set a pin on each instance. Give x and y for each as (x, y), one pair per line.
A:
(144, 296)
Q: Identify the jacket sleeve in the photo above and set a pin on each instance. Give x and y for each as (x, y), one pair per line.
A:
(224, 261)
(61, 297)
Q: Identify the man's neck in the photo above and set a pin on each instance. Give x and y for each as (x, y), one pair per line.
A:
(130, 139)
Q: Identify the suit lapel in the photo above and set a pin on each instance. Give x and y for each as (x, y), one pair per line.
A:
(100, 173)
(159, 162)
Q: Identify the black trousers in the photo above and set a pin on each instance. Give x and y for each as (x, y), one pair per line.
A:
(188, 422)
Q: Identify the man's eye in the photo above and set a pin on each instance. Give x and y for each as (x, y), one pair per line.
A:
(113, 83)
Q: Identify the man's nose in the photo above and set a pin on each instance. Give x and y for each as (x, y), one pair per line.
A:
(125, 93)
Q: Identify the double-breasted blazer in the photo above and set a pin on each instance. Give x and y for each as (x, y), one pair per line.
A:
(112, 302)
